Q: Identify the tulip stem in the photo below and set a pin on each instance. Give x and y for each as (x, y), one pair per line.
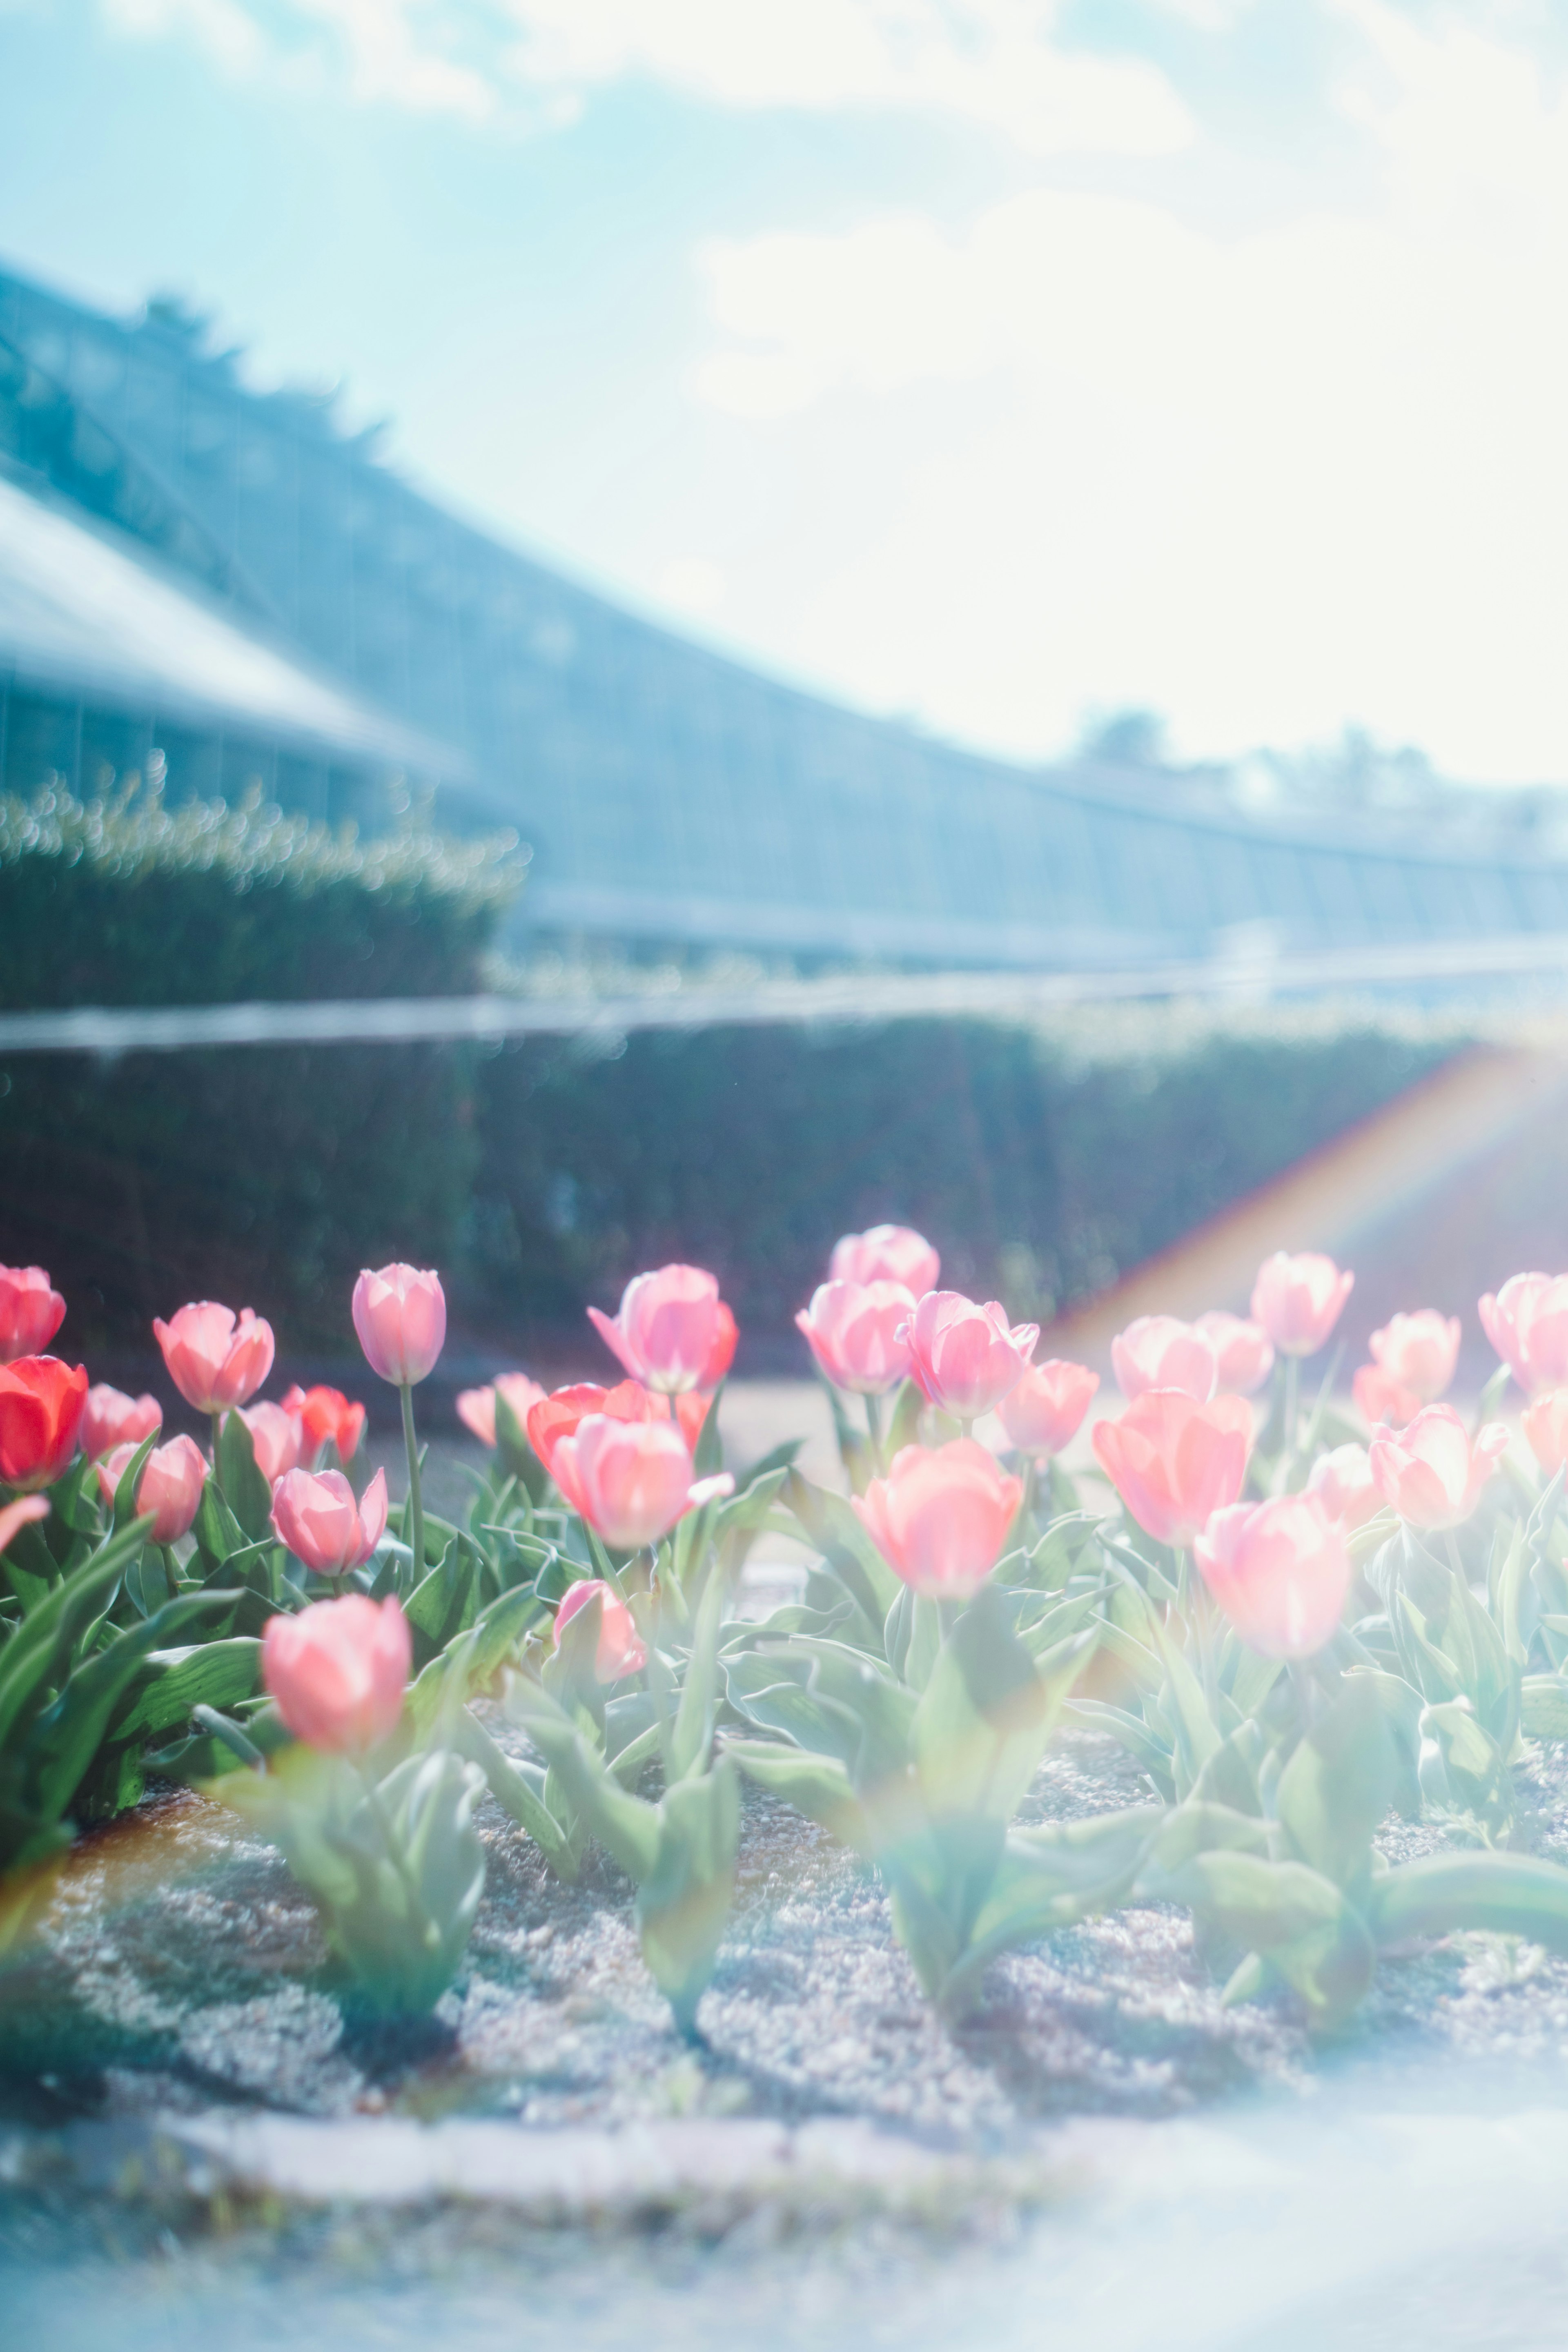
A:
(416, 1505)
(217, 1458)
(874, 1431)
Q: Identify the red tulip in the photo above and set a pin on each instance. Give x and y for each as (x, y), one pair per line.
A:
(1176, 1462)
(169, 1485)
(562, 1413)
(327, 1418)
(854, 1331)
(1242, 1350)
(276, 1439)
(620, 1649)
(1419, 1351)
(1046, 1410)
(1546, 1426)
(337, 1671)
(672, 1330)
(111, 1418)
(315, 1513)
(1298, 1300)
(631, 1480)
(15, 1515)
(941, 1517)
(1379, 1398)
(965, 1358)
(215, 1362)
(886, 1253)
(41, 1405)
(1160, 1351)
(31, 1311)
(1342, 1479)
(1279, 1570)
(1432, 1474)
(1527, 1323)
(400, 1316)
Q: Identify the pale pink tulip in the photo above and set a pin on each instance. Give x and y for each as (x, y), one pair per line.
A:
(1046, 1410)
(477, 1407)
(671, 1329)
(111, 1418)
(31, 1311)
(940, 1517)
(400, 1315)
(631, 1480)
(169, 1485)
(1173, 1461)
(519, 1396)
(1279, 1570)
(276, 1439)
(1379, 1398)
(1419, 1351)
(1298, 1300)
(965, 1358)
(1546, 1427)
(1242, 1350)
(1432, 1474)
(1342, 1481)
(213, 1361)
(1160, 1351)
(337, 1671)
(476, 1412)
(1506, 1316)
(886, 1253)
(1546, 1335)
(15, 1515)
(315, 1513)
(854, 1330)
(620, 1649)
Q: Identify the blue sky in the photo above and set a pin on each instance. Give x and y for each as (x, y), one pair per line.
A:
(995, 362)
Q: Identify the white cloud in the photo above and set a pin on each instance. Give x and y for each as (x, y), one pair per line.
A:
(221, 28)
(390, 64)
(692, 583)
(1269, 484)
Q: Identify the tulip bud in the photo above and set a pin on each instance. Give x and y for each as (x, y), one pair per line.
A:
(169, 1485)
(965, 1358)
(111, 1418)
(1527, 1323)
(620, 1649)
(15, 1516)
(1298, 1300)
(41, 1405)
(337, 1671)
(1546, 1427)
(213, 1361)
(1242, 1350)
(31, 1311)
(1342, 1481)
(562, 1413)
(315, 1513)
(1418, 1352)
(327, 1418)
(886, 1253)
(400, 1316)
(1379, 1399)
(1159, 1351)
(276, 1439)
(941, 1517)
(631, 1480)
(1279, 1570)
(477, 1407)
(851, 1329)
(1046, 1410)
(1173, 1461)
(672, 1331)
(1432, 1474)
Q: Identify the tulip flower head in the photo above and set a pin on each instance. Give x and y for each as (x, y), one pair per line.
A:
(563, 1412)
(169, 1485)
(1379, 1398)
(941, 1517)
(477, 1407)
(337, 1671)
(620, 1649)
(1160, 1351)
(1431, 1473)
(1342, 1481)
(400, 1315)
(216, 1361)
(41, 1404)
(17, 1516)
(854, 1330)
(31, 1311)
(631, 1480)
(1279, 1570)
(886, 1253)
(1527, 1323)
(965, 1358)
(672, 1331)
(1174, 1461)
(315, 1513)
(1419, 1351)
(327, 1418)
(1046, 1410)
(1298, 1300)
(111, 1418)
(276, 1439)
(1242, 1350)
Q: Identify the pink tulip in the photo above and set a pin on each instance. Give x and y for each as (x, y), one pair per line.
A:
(722, 1354)
(476, 1412)
(1342, 1479)
(169, 1485)
(965, 1358)
(1546, 1427)
(1527, 1323)
(1173, 1461)
(1279, 1570)
(631, 1480)
(940, 1517)
(670, 1331)
(400, 1315)
(31, 1311)
(327, 1417)
(337, 1671)
(111, 1418)
(15, 1515)
(1158, 1351)
(1379, 1398)
(886, 1253)
(853, 1330)
(276, 1439)
(620, 1649)
(1432, 1474)
(1242, 1350)
(1419, 1351)
(1046, 1410)
(477, 1407)
(1298, 1300)
(315, 1513)
(215, 1362)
